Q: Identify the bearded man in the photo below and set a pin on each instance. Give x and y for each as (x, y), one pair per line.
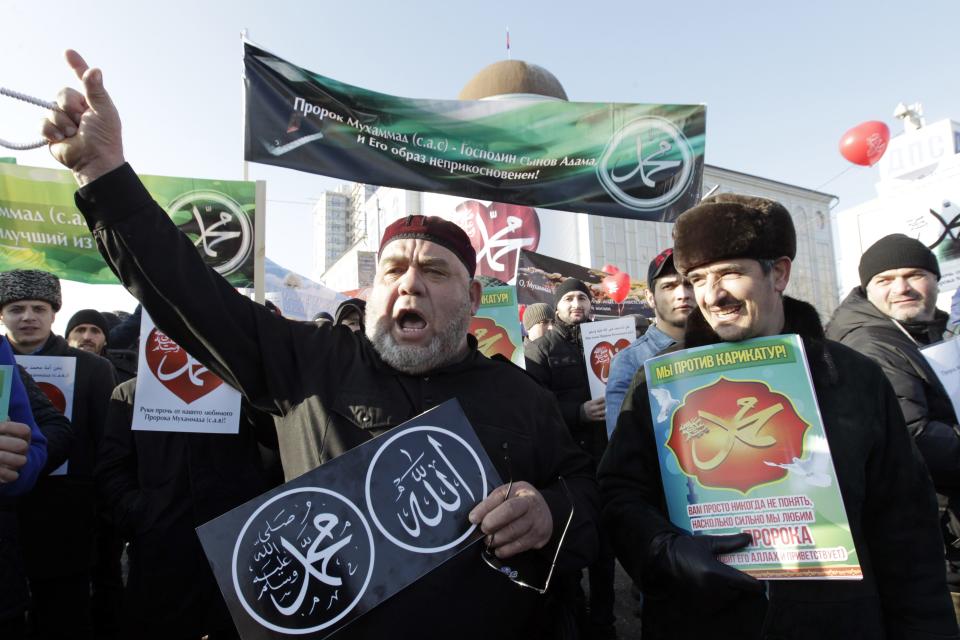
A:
(332, 389)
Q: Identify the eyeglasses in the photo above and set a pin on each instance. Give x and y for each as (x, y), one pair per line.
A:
(527, 565)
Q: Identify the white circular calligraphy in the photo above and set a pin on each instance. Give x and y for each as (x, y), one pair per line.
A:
(669, 135)
(393, 444)
(237, 235)
(252, 610)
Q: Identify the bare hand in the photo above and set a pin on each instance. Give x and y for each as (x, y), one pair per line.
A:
(85, 135)
(595, 410)
(515, 523)
(14, 444)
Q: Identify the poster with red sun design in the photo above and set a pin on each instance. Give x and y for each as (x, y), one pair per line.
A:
(177, 393)
(742, 448)
(56, 377)
(602, 341)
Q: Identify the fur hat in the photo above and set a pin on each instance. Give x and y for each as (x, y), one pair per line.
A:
(434, 229)
(88, 316)
(729, 225)
(896, 251)
(537, 313)
(568, 285)
(29, 284)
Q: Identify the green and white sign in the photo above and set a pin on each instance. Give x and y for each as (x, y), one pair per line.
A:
(742, 449)
(641, 161)
(41, 227)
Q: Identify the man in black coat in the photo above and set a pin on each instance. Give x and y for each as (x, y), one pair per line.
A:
(156, 506)
(58, 519)
(557, 362)
(332, 389)
(737, 252)
(889, 318)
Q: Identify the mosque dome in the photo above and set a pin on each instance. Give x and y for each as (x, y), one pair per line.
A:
(512, 78)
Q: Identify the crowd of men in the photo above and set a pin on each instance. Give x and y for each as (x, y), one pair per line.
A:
(312, 391)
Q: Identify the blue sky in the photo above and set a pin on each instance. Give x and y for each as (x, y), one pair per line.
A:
(781, 81)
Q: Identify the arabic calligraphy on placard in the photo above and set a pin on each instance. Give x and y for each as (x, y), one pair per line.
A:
(303, 560)
(420, 487)
(736, 434)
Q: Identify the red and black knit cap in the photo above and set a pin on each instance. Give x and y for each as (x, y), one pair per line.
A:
(435, 229)
(661, 265)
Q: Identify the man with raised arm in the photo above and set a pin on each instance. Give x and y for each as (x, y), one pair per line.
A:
(332, 389)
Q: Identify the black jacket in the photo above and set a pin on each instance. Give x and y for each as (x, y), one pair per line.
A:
(58, 517)
(556, 361)
(331, 391)
(925, 404)
(56, 429)
(156, 507)
(886, 491)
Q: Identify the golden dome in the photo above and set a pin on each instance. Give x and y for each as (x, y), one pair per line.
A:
(512, 77)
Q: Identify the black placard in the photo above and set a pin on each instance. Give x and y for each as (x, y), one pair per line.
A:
(319, 551)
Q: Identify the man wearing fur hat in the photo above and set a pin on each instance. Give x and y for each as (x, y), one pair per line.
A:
(331, 390)
(556, 360)
(737, 252)
(58, 517)
(888, 318)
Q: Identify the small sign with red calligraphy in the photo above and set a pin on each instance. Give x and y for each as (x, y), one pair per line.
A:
(175, 392)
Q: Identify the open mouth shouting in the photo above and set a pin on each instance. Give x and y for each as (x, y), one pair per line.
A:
(411, 324)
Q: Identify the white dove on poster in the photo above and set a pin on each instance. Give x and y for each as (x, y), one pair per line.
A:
(812, 470)
(665, 401)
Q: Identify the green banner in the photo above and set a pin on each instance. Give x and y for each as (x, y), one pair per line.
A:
(41, 227)
(640, 161)
(8, 160)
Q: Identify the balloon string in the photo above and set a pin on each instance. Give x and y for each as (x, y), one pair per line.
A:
(834, 178)
(16, 95)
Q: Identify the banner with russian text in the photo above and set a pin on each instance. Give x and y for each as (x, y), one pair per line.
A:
(41, 227)
(742, 449)
(639, 161)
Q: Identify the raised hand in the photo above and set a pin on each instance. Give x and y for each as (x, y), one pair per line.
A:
(84, 134)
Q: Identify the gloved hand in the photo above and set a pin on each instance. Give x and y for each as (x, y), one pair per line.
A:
(690, 563)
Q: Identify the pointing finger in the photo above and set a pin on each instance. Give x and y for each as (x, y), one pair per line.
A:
(77, 63)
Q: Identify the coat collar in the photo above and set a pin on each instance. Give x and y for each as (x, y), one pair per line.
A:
(799, 317)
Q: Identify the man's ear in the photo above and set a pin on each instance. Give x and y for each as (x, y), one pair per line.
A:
(476, 293)
(781, 273)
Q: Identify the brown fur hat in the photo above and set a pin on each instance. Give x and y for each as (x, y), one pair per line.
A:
(729, 225)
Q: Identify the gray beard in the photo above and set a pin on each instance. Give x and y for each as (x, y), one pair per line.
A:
(442, 350)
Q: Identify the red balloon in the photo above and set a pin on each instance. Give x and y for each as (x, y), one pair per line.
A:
(610, 268)
(866, 143)
(523, 309)
(617, 286)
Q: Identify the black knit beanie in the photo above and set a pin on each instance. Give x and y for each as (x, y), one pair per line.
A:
(568, 285)
(896, 251)
(88, 316)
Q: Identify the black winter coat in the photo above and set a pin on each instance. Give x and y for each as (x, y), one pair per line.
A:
(156, 487)
(556, 361)
(59, 434)
(331, 391)
(58, 518)
(926, 406)
(886, 491)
